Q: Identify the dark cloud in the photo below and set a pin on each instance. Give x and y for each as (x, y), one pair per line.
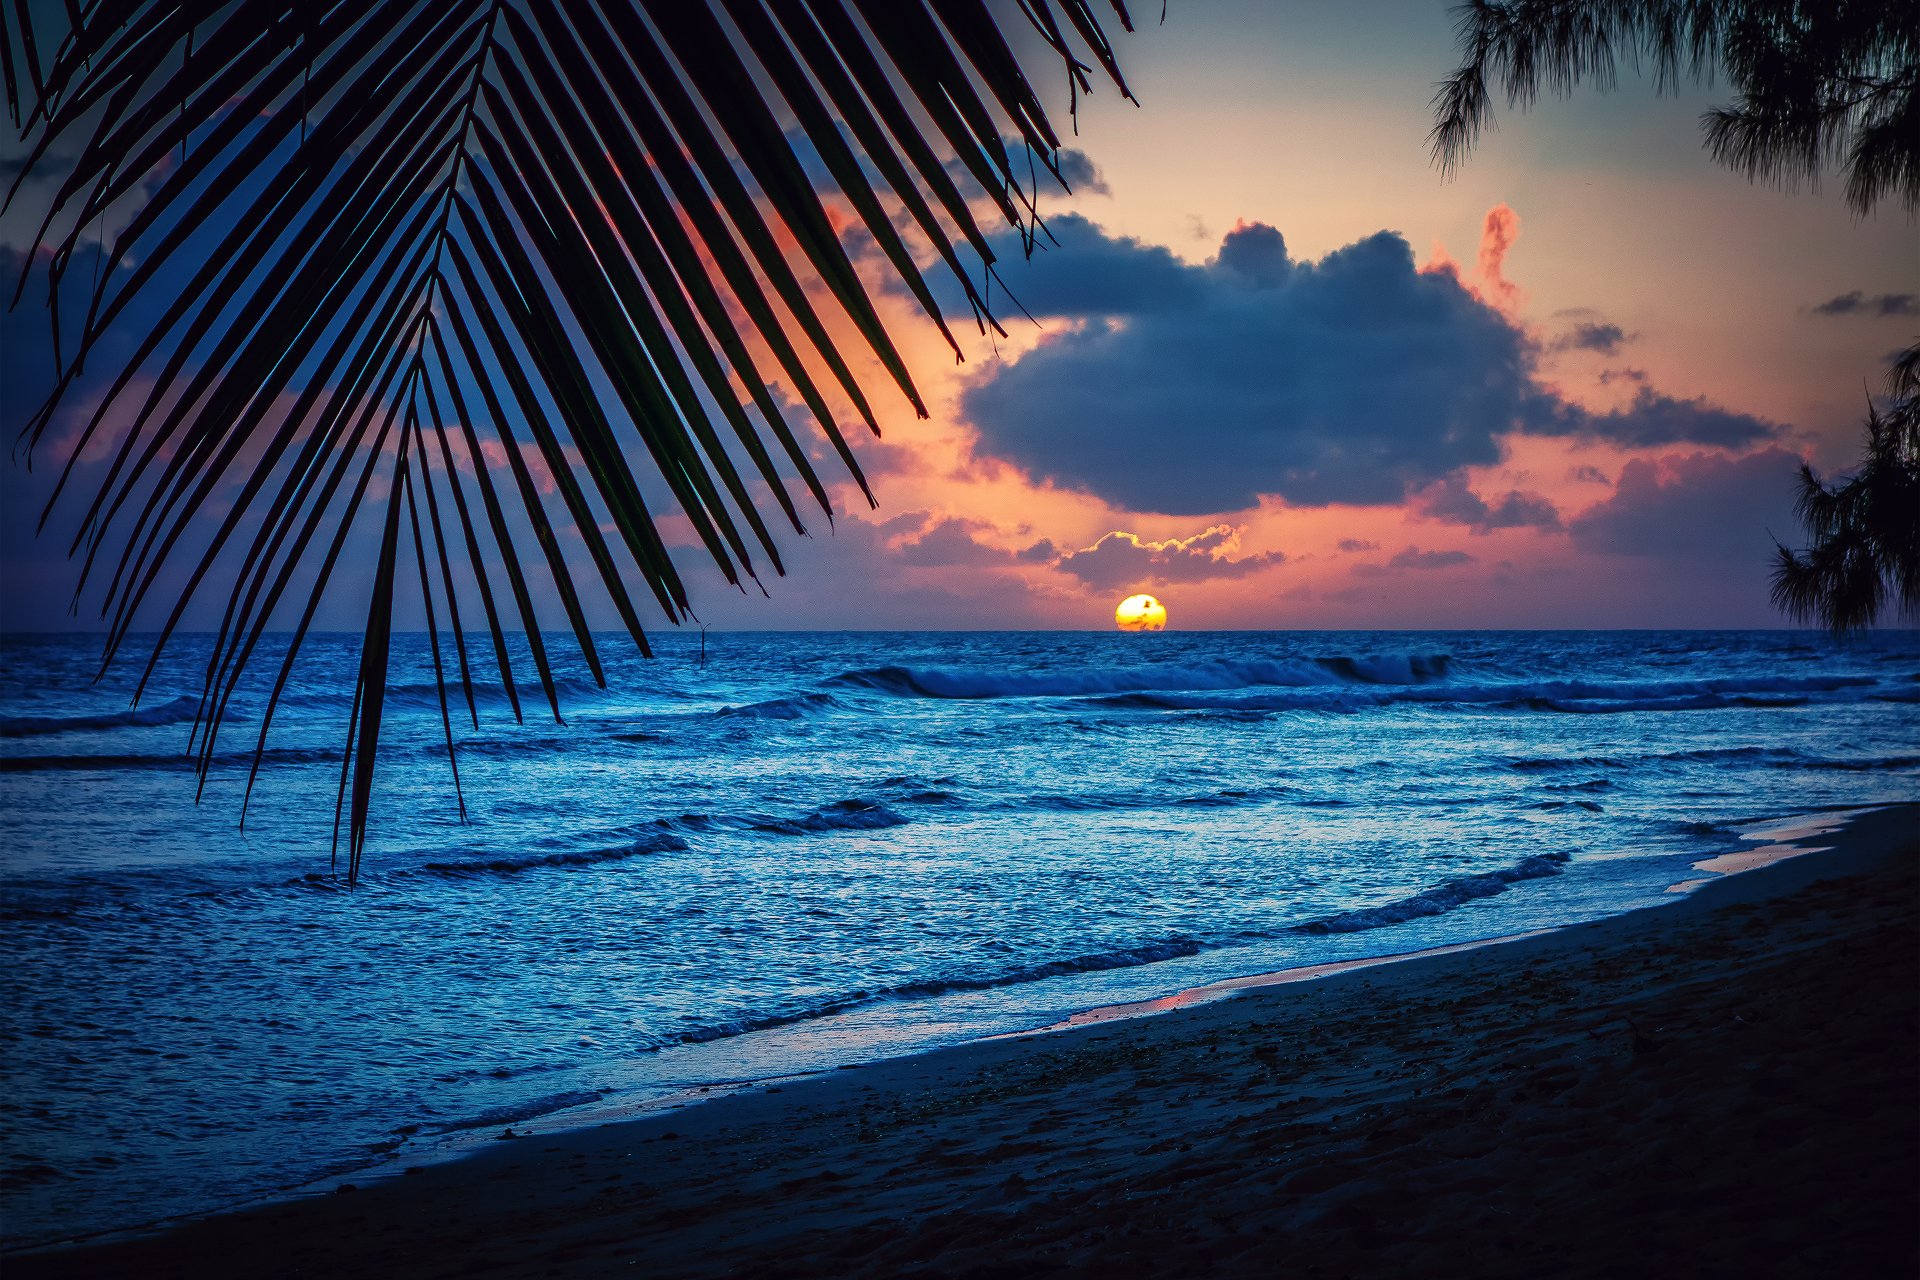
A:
(1084, 272)
(1124, 560)
(1357, 544)
(1592, 336)
(1451, 501)
(1041, 552)
(1191, 390)
(1859, 303)
(1257, 253)
(1081, 175)
(1415, 558)
(1650, 420)
(1610, 376)
(1695, 507)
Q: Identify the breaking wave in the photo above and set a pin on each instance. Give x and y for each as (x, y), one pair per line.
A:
(175, 711)
(953, 682)
(798, 707)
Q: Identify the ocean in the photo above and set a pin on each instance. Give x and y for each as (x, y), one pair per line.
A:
(762, 854)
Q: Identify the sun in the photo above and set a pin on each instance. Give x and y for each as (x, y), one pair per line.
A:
(1140, 613)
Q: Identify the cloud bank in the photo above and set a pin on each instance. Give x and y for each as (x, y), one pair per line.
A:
(1195, 389)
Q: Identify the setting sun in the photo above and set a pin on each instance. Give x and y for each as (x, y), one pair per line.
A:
(1140, 613)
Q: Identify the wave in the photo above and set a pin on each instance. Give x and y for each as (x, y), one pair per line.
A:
(1690, 702)
(174, 711)
(38, 764)
(1225, 798)
(1440, 899)
(1757, 687)
(1535, 764)
(1562, 696)
(1714, 755)
(662, 842)
(181, 761)
(425, 695)
(1340, 684)
(963, 683)
(798, 707)
(1864, 766)
(852, 814)
(841, 815)
(1094, 962)
(1778, 757)
(930, 796)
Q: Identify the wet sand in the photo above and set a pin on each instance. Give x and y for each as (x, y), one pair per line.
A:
(1728, 1085)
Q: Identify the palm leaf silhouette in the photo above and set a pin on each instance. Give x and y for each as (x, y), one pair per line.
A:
(386, 241)
(1862, 560)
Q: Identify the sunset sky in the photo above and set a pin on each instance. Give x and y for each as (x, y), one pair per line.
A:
(1284, 375)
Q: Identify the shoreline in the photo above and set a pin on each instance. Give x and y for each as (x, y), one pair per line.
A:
(1783, 834)
(1865, 839)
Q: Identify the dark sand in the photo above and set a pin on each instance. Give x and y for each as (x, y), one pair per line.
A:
(1726, 1086)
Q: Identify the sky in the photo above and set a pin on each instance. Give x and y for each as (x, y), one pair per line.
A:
(1282, 374)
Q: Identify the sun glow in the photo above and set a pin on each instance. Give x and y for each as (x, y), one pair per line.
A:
(1140, 613)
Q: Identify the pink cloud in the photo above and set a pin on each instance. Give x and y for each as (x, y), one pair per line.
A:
(1121, 559)
(1497, 235)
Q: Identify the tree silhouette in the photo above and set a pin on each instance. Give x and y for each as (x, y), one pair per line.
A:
(1865, 555)
(367, 254)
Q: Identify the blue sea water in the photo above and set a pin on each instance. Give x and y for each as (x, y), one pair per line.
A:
(811, 849)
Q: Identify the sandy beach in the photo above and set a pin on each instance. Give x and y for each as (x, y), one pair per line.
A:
(1725, 1085)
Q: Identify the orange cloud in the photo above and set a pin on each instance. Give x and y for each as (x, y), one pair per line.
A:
(1125, 559)
(1497, 235)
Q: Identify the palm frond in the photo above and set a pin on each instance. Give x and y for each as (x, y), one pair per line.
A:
(444, 271)
(1863, 553)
